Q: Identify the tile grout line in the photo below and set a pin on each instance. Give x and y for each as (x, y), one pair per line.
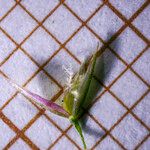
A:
(144, 140)
(128, 22)
(9, 11)
(17, 131)
(121, 118)
(116, 35)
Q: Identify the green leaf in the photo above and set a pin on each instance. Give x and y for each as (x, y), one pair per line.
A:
(78, 128)
(84, 86)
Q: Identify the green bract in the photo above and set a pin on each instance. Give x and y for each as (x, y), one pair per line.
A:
(75, 96)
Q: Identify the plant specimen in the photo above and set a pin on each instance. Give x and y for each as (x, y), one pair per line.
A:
(75, 95)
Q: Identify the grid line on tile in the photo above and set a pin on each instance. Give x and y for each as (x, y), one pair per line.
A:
(107, 131)
(121, 118)
(8, 12)
(19, 45)
(63, 133)
(26, 127)
(17, 131)
(127, 23)
(146, 137)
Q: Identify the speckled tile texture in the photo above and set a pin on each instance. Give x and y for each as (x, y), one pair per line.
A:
(38, 38)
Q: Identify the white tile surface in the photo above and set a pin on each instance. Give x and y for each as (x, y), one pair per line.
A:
(142, 22)
(42, 85)
(142, 110)
(20, 144)
(105, 146)
(88, 46)
(145, 145)
(59, 22)
(129, 132)
(129, 88)
(127, 8)
(40, 8)
(6, 90)
(126, 45)
(105, 108)
(4, 7)
(43, 133)
(62, 122)
(5, 138)
(105, 23)
(81, 9)
(18, 24)
(142, 66)
(6, 46)
(20, 111)
(44, 46)
(110, 67)
(64, 144)
(19, 67)
(56, 69)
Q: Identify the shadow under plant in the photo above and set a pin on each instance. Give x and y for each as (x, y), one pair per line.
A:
(104, 64)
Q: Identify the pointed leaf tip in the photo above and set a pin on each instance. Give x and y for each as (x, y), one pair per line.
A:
(41, 101)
